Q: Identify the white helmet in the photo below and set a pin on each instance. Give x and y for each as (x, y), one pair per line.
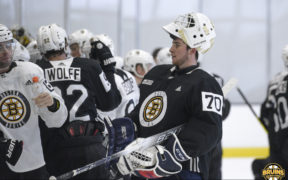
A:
(195, 29)
(99, 37)
(80, 37)
(135, 57)
(164, 56)
(285, 56)
(5, 33)
(20, 52)
(119, 62)
(52, 38)
(34, 51)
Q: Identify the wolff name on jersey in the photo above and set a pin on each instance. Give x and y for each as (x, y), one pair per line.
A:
(63, 74)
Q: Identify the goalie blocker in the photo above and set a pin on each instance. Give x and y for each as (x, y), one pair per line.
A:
(154, 162)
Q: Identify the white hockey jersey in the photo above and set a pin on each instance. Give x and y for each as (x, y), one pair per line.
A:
(19, 114)
(130, 94)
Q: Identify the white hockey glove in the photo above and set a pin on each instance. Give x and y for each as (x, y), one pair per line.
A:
(154, 162)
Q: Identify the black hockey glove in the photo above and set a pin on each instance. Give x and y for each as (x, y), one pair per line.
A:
(11, 150)
(226, 109)
(101, 52)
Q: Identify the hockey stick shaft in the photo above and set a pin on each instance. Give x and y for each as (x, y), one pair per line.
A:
(250, 106)
(147, 142)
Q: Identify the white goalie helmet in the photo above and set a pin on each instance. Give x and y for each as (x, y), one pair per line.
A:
(195, 29)
(99, 37)
(52, 38)
(5, 33)
(164, 56)
(135, 57)
(20, 52)
(34, 51)
(80, 37)
(285, 56)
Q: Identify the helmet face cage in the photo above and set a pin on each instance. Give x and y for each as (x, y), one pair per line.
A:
(195, 29)
(52, 38)
(138, 57)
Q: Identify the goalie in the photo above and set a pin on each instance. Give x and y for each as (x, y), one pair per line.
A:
(170, 95)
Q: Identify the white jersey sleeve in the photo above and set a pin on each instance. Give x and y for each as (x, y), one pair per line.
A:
(130, 94)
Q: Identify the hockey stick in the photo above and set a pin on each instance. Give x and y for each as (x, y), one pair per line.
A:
(143, 144)
(250, 107)
(229, 86)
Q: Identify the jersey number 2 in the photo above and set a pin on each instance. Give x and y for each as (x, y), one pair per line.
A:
(78, 103)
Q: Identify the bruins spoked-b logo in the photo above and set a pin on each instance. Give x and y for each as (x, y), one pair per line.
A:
(14, 109)
(273, 171)
(153, 109)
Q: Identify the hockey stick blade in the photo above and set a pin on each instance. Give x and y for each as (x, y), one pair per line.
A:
(142, 144)
(229, 86)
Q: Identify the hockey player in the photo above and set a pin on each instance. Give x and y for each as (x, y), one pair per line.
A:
(25, 95)
(77, 41)
(274, 118)
(138, 63)
(176, 94)
(84, 86)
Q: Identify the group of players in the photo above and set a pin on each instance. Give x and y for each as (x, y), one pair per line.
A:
(72, 106)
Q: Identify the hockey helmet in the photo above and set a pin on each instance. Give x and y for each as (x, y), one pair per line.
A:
(195, 29)
(52, 38)
(21, 35)
(138, 57)
(34, 51)
(80, 37)
(5, 33)
(164, 56)
(119, 62)
(20, 52)
(99, 37)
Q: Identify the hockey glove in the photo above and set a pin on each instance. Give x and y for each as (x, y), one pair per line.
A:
(120, 132)
(226, 109)
(101, 52)
(11, 150)
(155, 162)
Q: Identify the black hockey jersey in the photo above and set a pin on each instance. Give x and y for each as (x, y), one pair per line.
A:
(83, 86)
(274, 112)
(170, 97)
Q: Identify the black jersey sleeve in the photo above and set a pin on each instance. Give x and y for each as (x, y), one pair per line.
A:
(106, 94)
(204, 127)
